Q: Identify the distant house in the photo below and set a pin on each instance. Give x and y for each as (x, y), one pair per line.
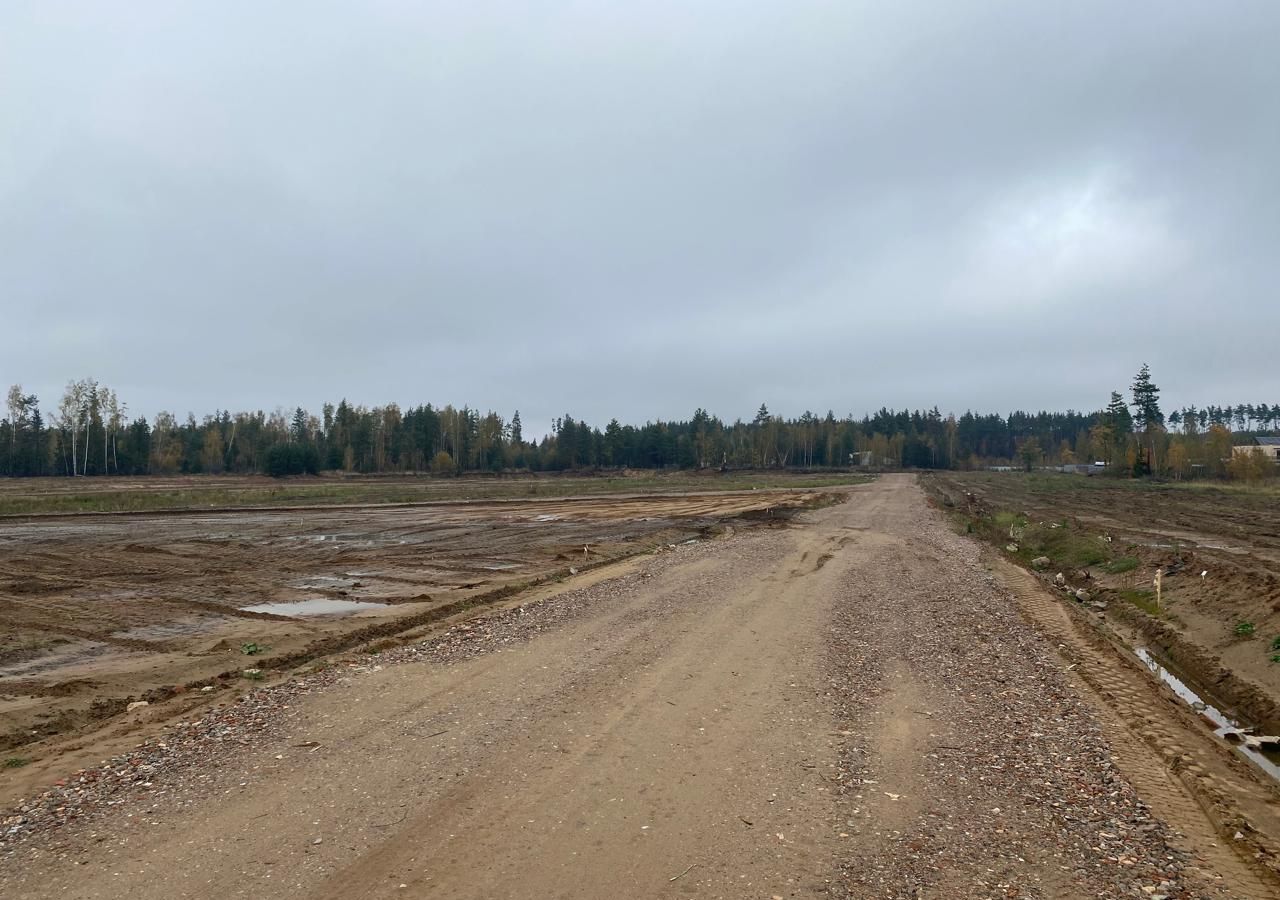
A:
(1268, 445)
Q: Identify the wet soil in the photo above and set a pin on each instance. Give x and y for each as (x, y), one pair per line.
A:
(97, 611)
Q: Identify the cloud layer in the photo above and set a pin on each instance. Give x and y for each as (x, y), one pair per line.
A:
(638, 209)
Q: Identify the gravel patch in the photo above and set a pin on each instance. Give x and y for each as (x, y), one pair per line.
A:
(1024, 796)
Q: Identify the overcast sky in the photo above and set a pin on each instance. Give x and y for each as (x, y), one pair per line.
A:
(636, 209)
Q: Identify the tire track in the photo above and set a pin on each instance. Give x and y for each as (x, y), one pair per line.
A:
(1176, 766)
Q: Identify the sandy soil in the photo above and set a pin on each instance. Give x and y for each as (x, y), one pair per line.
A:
(853, 707)
(100, 611)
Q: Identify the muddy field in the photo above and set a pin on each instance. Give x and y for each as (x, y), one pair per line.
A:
(40, 496)
(98, 611)
(1218, 548)
(855, 705)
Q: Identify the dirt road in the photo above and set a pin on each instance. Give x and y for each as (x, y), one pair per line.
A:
(852, 707)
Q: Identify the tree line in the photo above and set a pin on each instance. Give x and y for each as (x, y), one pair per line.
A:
(90, 433)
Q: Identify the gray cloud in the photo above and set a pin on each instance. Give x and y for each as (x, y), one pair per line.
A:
(637, 209)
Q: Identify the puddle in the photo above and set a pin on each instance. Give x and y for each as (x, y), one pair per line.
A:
(55, 658)
(1205, 545)
(323, 582)
(1222, 723)
(370, 539)
(165, 631)
(1226, 548)
(320, 606)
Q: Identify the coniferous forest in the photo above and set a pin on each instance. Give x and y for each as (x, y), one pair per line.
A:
(90, 433)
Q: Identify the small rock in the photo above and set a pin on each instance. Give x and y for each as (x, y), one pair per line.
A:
(1041, 562)
(1060, 580)
(1083, 596)
(136, 704)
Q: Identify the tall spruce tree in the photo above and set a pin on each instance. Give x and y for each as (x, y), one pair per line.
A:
(1147, 415)
(1146, 401)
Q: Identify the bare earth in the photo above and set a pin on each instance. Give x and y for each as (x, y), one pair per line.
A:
(97, 611)
(852, 707)
(1231, 534)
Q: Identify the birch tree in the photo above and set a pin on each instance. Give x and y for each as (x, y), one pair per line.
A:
(102, 397)
(117, 411)
(72, 410)
(17, 408)
(88, 404)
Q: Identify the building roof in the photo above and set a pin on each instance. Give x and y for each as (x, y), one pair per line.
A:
(1268, 441)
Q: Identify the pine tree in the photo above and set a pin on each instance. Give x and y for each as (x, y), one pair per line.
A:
(1118, 416)
(1146, 400)
(1115, 427)
(1030, 452)
(1146, 407)
(615, 448)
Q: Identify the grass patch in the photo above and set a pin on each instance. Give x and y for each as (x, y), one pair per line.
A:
(1121, 564)
(16, 762)
(1064, 545)
(1144, 600)
(1066, 542)
(1006, 520)
(1244, 629)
